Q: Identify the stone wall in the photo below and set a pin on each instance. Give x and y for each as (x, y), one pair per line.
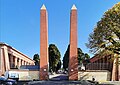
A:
(99, 75)
(34, 74)
(26, 74)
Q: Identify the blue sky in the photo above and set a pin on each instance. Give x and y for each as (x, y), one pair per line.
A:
(20, 22)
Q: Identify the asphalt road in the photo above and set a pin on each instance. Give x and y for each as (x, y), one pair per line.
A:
(59, 77)
(60, 83)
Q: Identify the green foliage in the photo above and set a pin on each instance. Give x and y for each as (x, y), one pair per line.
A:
(86, 59)
(36, 58)
(54, 58)
(106, 35)
(82, 58)
(66, 58)
(58, 65)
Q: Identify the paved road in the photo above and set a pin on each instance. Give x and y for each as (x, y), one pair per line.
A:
(66, 83)
(60, 83)
(58, 77)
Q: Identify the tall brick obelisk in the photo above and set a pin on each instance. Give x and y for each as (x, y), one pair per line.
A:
(73, 60)
(43, 43)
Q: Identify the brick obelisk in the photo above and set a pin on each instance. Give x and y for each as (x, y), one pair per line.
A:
(73, 60)
(43, 43)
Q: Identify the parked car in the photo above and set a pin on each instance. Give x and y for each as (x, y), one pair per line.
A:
(12, 75)
(4, 81)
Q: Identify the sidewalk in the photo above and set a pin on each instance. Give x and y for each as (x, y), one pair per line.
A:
(60, 83)
(110, 83)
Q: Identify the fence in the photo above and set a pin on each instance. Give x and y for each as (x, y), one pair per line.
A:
(99, 66)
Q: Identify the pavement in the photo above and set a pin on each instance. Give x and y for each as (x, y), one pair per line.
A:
(65, 83)
(58, 77)
(110, 83)
(60, 83)
(84, 82)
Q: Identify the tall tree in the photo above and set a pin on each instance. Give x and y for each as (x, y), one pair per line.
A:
(106, 35)
(58, 65)
(105, 39)
(54, 57)
(86, 59)
(82, 58)
(66, 58)
(36, 58)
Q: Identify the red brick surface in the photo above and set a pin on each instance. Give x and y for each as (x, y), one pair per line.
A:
(73, 61)
(43, 45)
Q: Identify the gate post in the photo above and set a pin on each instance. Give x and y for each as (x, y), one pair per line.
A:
(43, 44)
(73, 58)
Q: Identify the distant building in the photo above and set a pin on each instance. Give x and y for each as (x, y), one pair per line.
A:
(10, 58)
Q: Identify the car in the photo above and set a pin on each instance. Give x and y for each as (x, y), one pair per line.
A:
(4, 81)
(11, 75)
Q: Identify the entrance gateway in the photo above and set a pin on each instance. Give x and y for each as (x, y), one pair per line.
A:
(73, 61)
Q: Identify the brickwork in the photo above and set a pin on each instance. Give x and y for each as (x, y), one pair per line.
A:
(73, 61)
(43, 44)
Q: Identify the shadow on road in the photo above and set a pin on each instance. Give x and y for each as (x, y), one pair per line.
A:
(59, 77)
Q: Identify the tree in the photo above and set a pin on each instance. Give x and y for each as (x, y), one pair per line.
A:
(82, 58)
(54, 57)
(105, 39)
(58, 65)
(36, 58)
(106, 35)
(66, 58)
(86, 59)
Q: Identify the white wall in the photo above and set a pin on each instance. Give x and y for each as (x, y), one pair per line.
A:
(26, 74)
(98, 75)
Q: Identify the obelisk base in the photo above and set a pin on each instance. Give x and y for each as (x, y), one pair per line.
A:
(73, 69)
(44, 73)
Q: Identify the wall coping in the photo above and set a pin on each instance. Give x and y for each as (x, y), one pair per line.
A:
(94, 71)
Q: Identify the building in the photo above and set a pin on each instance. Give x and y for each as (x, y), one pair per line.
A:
(10, 58)
(106, 62)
